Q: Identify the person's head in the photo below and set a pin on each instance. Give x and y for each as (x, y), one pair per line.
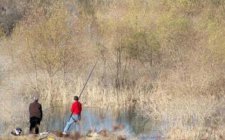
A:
(35, 98)
(76, 98)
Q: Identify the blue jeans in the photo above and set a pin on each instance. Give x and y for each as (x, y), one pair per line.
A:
(73, 118)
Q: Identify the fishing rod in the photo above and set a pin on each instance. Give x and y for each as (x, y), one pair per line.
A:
(89, 76)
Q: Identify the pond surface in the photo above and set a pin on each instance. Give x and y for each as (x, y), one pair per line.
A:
(134, 125)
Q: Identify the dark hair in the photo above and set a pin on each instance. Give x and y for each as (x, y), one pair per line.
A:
(76, 98)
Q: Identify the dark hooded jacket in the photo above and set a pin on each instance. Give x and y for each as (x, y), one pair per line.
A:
(35, 110)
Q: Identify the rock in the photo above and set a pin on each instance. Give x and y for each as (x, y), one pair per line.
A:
(57, 133)
(121, 138)
(75, 135)
(103, 133)
(118, 127)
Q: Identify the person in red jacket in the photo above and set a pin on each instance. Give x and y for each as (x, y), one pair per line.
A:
(76, 109)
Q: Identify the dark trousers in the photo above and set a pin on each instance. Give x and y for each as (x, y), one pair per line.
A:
(34, 125)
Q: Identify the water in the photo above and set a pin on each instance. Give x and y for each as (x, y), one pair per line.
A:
(99, 119)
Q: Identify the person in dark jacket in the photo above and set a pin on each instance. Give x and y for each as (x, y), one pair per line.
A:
(35, 110)
(76, 109)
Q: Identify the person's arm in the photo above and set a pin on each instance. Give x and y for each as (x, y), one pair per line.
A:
(72, 108)
(41, 111)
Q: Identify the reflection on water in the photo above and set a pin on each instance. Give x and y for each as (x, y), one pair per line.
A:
(97, 119)
(1, 127)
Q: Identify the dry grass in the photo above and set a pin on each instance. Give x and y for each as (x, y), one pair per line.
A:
(181, 82)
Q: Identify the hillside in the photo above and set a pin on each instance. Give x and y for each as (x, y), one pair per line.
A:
(165, 57)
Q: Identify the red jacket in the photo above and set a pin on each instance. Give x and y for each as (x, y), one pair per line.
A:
(76, 108)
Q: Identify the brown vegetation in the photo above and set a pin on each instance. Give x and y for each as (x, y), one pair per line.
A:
(165, 57)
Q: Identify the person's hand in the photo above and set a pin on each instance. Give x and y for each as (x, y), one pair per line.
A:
(79, 117)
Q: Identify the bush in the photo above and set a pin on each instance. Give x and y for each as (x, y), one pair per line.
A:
(142, 46)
